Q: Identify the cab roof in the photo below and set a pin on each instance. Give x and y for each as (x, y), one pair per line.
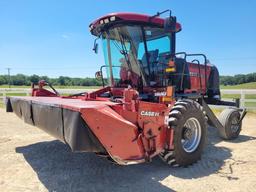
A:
(112, 18)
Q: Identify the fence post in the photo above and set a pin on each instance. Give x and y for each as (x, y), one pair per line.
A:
(242, 98)
(4, 96)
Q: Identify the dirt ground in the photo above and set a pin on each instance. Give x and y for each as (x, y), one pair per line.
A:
(30, 160)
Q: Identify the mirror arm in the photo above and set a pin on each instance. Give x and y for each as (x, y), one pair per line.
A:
(160, 13)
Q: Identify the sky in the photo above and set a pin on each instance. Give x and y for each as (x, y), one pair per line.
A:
(51, 37)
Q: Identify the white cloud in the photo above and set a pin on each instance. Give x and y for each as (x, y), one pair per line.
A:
(66, 36)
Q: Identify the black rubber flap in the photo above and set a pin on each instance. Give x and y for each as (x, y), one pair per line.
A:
(49, 119)
(22, 109)
(63, 124)
(8, 105)
(77, 133)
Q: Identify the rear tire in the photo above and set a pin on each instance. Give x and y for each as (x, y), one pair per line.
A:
(229, 118)
(188, 121)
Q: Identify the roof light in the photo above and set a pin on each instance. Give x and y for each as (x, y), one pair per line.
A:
(101, 21)
(113, 18)
(106, 20)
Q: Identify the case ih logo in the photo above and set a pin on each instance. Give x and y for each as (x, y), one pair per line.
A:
(149, 113)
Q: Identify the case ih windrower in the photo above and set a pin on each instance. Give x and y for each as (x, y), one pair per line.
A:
(153, 101)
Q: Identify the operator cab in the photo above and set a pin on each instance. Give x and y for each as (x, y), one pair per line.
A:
(136, 47)
(139, 52)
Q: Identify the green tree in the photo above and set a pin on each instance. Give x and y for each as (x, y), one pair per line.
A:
(2, 80)
(19, 79)
(34, 79)
(61, 80)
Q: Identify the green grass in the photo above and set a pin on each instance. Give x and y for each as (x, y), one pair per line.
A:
(232, 96)
(15, 86)
(56, 87)
(247, 104)
(251, 85)
(16, 94)
(250, 104)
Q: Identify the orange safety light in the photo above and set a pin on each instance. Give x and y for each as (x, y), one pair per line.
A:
(166, 99)
(170, 91)
(169, 95)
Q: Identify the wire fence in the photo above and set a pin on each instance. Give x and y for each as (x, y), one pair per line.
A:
(247, 96)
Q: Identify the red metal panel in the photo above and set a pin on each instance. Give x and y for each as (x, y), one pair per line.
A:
(152, 119)
(68, 103)
(117, 135)
(195, 79)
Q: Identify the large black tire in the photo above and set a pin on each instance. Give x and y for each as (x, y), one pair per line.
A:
(183, 112)
(230, 118)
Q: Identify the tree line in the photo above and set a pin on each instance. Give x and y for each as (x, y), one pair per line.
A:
(238, 79)
(21, 79)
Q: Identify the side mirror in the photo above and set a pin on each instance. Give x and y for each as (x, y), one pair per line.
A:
(95, 46)
(98, 75)
(170, 24)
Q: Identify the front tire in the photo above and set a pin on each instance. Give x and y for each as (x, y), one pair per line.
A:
(188, 121)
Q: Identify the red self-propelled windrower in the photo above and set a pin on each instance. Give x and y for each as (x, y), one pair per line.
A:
(154, 101)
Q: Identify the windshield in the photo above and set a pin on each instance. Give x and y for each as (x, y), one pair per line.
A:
(136, 55)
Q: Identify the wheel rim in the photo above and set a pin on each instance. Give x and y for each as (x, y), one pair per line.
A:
(191, 135)
(234, 125)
